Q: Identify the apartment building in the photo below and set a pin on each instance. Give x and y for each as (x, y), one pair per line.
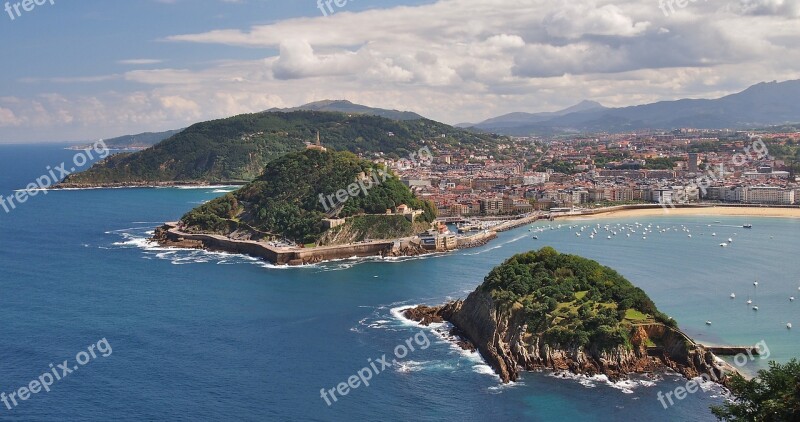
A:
(769, 195)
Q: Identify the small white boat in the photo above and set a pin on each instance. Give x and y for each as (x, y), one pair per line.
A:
(708, 322)
(644, 237)
(791, 299)
(749, 301)
(609, 237)
(730, 240)
(723, 244)
(713, 234)
(788, 325)
(755, 308)
(755, 283)
(733, 295)
(689, 236)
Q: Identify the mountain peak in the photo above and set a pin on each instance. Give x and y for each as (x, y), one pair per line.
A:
(325, 103)
(763, 104)
(345, 106)
(582, 106)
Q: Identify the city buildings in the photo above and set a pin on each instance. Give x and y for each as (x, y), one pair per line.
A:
(682, 166)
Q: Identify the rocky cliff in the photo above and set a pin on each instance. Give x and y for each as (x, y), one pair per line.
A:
(505, 343)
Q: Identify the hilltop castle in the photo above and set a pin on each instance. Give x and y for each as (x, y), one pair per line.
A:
(316, 146)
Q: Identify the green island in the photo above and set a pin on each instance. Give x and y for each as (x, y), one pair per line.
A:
(236, 149)
(318, 205)
(547, 310)
(284, 203)
(572, 301)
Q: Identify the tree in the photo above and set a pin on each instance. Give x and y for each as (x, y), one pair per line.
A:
(773, 396)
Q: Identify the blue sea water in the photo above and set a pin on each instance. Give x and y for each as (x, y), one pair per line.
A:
(203, 336)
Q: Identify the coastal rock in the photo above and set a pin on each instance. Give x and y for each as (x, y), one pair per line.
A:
(503, 340)
(410, 249)
(161, 237)
(425, 315)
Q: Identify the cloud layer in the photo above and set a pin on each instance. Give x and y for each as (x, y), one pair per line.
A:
(453, 60)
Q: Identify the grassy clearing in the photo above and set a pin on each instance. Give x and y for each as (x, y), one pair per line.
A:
(634, 315)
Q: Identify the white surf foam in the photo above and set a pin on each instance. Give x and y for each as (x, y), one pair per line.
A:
(198, 187)
(409, 366)
(626, 385)
(484, 369)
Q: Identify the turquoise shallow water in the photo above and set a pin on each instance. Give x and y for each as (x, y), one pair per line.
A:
(199, 336)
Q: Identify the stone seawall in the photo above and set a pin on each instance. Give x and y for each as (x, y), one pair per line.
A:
(513, 224)
(277, 256)
(476, 240)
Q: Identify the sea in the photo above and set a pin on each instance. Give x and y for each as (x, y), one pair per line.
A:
(193, 335)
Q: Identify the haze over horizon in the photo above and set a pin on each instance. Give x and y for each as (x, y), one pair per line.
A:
(163, 64)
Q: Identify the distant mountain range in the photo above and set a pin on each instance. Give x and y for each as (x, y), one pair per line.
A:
(139, 141)
(148, 139)
(512, 120)
(764, 104)
(236, 149)
(344, 106)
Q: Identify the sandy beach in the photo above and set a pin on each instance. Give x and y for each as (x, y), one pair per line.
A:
(705, 211)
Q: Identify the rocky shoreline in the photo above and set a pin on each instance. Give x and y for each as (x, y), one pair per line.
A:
(70, 185)
(506, 346)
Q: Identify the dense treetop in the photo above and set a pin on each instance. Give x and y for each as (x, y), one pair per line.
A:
(285, 199)
(773, 396)
(572, 301)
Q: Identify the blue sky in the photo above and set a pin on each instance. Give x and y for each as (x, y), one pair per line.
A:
(79, 38)
(86, 38)
(86, 69)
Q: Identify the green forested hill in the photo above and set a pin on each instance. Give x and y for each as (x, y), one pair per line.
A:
(238, 148)
(285, 200)
(571, 300)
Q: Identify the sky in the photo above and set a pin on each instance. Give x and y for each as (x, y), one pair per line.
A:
(75, 70)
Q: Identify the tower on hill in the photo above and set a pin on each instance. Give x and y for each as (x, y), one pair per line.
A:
(316, 146)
